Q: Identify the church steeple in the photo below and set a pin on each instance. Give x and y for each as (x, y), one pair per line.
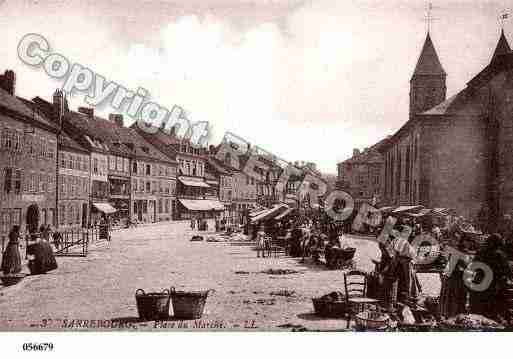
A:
(427, 85)
(428, 62)
(502, 46)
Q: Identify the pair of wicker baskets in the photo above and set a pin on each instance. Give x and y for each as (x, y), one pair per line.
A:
(186, 305)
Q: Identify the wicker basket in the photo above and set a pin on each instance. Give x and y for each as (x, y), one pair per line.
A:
(12, 279)
(372, 320)
(189, 305)
(152, 306)
(330, 309)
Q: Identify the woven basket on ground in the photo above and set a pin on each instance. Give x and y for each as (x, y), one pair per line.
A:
(189, 305)
(152, 306)
(330, 309)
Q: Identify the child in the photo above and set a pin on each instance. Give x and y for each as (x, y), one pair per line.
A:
(261, 241)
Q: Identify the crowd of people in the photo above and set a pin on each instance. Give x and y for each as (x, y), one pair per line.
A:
(396, 268)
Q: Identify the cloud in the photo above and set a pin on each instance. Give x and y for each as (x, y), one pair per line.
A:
(308, 80)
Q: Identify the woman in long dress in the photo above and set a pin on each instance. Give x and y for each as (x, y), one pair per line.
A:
(11, 259)
(453, 294)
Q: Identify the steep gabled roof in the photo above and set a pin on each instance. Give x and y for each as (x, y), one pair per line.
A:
(164, 142)
(64, 140)
(502, 47)
(18, 106)
(428, 62)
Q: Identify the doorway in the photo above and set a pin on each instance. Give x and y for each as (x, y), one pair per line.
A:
(139, 210)
(32, 218)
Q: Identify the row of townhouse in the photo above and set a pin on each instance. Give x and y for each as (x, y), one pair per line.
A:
(68, 168)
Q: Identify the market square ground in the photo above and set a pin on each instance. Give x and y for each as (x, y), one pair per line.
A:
(97, 292)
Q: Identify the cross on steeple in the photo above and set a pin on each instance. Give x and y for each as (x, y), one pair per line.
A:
(503, 16)
(429, 16)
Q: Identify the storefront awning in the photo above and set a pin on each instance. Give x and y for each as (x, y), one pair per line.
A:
(202, 204)
(216, 205)
(104, 207)
(193, 182)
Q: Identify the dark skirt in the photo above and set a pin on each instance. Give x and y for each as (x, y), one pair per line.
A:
(408, 286)
(11, 260)
(44, 260)
(453, 295)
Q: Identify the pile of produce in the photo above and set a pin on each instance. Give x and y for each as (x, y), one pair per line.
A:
(471, 322)
(280, 271)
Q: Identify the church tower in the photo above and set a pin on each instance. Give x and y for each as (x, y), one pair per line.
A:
(427, 85)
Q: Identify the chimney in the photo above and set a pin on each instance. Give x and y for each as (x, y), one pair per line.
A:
(60, 105)
(116, 118)
(89, 111)
(8, 81)
(356, 152)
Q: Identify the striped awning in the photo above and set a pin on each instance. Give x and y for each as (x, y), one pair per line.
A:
(441, 212)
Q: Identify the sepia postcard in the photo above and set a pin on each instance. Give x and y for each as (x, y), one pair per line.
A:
(255, 166)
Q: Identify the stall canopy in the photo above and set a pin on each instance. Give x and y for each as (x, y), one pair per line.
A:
(442, 212)
(193, 182)
(270, 213)
(202, 204)
(104, 207)
(284, 214)
(257, 212)
(409, 209)
(422, 213)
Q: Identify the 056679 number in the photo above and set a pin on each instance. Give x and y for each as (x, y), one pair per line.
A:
(37, 347)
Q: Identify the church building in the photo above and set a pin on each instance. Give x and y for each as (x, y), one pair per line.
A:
(456, 152)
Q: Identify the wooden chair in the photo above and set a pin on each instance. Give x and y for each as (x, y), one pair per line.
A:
(355, 283)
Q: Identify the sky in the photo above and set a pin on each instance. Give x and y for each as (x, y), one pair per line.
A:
(305, 80)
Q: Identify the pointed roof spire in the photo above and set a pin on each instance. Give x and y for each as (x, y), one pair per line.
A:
(502, 46)
(428, 62)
